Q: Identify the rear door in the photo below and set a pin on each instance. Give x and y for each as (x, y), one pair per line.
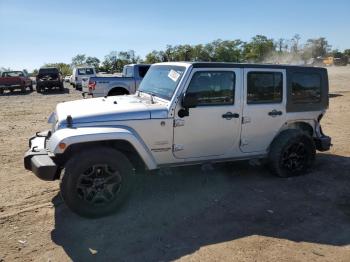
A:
(264, 108)
(213, 127)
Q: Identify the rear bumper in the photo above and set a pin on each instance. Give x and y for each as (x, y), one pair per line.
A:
(323, 143)
(38, 160)
(48, 83)
(10, 86)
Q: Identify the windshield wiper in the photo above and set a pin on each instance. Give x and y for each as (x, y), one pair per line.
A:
(151, 94)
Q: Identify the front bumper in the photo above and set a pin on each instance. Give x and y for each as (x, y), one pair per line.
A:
(38, 160)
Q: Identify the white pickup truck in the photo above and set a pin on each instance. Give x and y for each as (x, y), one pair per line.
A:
(126, 84)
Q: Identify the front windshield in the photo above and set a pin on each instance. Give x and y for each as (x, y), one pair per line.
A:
(162, 80)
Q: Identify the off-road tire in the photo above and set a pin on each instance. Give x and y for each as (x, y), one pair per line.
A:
(31, 88)
(283, 162)
(1, 91)
(38, 89)
(76, 168)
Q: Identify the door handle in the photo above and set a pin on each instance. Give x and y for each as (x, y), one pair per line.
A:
(275, 113)
(230, 115)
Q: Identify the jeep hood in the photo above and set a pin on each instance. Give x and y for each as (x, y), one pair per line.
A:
(111, 108)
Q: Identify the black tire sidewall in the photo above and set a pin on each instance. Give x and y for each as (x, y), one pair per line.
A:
(285, 141)
(78, 164)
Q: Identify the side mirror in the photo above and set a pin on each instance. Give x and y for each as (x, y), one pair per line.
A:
(189, 100)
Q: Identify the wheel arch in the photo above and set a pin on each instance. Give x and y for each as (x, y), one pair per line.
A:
(305, 126)
(122, 146)
(124, 140)
(121, 89)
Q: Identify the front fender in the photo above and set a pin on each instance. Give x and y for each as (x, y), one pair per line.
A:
(71, 136)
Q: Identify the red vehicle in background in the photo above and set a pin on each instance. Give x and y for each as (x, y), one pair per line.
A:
(12, 80)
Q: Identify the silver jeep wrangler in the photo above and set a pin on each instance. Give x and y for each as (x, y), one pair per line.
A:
(183, 113)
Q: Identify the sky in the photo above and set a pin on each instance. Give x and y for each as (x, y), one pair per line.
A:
(37, 32)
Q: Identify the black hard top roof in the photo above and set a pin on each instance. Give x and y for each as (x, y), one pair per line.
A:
(49, 67)
(247, 65)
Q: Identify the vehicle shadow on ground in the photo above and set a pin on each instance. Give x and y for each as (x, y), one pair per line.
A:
(55, 91)
(170, 216)
(16, 93)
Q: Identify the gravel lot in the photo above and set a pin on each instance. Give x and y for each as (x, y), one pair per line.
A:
(235, 213)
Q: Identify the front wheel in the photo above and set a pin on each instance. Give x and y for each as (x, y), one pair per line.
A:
(292, 153)
(96, 182)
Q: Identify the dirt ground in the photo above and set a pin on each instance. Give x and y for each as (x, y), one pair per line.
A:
(190, 214)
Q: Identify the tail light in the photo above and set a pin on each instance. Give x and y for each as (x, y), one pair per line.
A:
(92, 85)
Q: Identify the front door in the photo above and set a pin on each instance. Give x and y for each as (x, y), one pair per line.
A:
(264, 108)
(213, 127)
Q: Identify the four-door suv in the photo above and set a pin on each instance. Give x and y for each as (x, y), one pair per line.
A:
(183, 113)
(49, 77)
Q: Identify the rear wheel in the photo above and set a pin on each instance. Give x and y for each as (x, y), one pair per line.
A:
(96, 182)
(61, 87)
(31, 88)
(292, 153)
(1, 91)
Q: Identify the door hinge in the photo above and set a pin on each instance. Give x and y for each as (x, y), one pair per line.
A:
(179, 122)
(246, 119)
(178, 147)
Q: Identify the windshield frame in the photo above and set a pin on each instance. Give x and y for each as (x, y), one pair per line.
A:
(178, 81)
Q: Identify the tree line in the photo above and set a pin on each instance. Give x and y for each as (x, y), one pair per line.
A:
(260, 49)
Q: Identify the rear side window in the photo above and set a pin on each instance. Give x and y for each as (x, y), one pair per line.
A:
(143, 70)
(306, 88)
(129, 71)
(213, 87)
(264, 87)
(85, 71)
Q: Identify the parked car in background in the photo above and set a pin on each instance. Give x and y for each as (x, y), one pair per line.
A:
(182, 114)
(49, 78)
(341, 61)
(12, 80)
(81, 74)
(67, 79)
(125, 84)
